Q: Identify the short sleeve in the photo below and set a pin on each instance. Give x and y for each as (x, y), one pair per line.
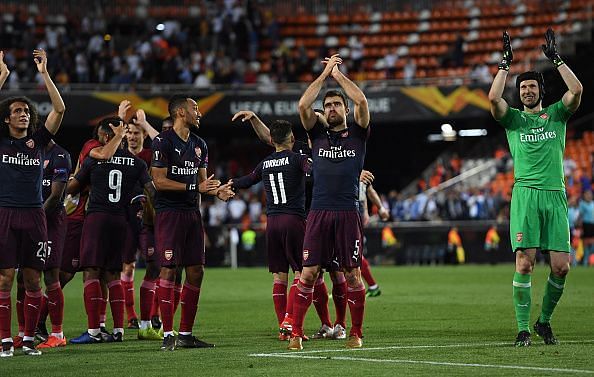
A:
(305, 163)
(62, 167)
(144, 176)
(316, 130)
(561, 112)
(42, 137)
(507, 121)
(161, 152)
(87, 148)
(204, 157)
(360, 132)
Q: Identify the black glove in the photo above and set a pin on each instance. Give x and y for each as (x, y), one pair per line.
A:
(508, 55)
(550, 49)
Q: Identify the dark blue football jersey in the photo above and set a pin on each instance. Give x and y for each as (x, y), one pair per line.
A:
(283, 175)
(182, 159)
(21, 169)
(112, 181)
(337, 163)
(56, 168)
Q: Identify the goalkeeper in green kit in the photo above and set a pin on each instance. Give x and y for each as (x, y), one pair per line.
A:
(538, 218)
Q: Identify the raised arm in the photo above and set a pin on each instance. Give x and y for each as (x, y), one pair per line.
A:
(4, 72)
(54, 119)
(306, 112)
(361, 108)
(573, 97)
(259, 127)
(108, 150)
(498, 105)
(141, 122)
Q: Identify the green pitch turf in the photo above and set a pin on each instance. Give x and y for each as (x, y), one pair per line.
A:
(428, 321)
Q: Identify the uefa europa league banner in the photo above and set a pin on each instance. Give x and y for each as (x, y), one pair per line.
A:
(386, 106)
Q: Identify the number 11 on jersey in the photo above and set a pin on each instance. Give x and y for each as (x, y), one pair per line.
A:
(281, 188)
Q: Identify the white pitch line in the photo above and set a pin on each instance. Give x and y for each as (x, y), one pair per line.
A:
(429, 346)
(399, 361)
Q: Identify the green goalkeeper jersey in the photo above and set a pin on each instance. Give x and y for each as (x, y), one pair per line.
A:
(537, 144)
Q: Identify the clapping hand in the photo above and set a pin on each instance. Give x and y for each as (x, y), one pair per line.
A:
(331, 63)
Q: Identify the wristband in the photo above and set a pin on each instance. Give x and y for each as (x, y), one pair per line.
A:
(504, 65)
(190, 187)
(557, 61)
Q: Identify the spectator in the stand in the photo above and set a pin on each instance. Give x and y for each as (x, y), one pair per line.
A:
(417, 208)
(357, 53)
(455, 164)
(569, 166)
(237, 208)
(480, 74)
(203, 80)
(477, 205)
(573, 212)
(124, 77)
(503, 158)
(575, 231)
(586, 208)
(390, 61)
(454, 207)
(217, 213)
(255, 208)
(454, 57)
(409, 71)
(431, 212)
(82, 68)
(458, 51)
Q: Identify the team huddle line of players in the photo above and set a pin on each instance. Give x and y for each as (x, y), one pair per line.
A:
(117, 207)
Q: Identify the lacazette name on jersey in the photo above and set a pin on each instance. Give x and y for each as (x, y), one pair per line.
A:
(126, 161)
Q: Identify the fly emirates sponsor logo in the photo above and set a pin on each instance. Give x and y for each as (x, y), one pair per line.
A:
(187, 169)
(336, 153)
(537, 135)
(20, 159)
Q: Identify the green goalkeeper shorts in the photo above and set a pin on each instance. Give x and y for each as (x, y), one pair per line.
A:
(538, 219)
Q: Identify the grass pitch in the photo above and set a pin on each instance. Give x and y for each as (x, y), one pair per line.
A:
(428, 321)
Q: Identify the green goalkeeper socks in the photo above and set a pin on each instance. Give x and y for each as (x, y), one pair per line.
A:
(553, 292)
(521, 289)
